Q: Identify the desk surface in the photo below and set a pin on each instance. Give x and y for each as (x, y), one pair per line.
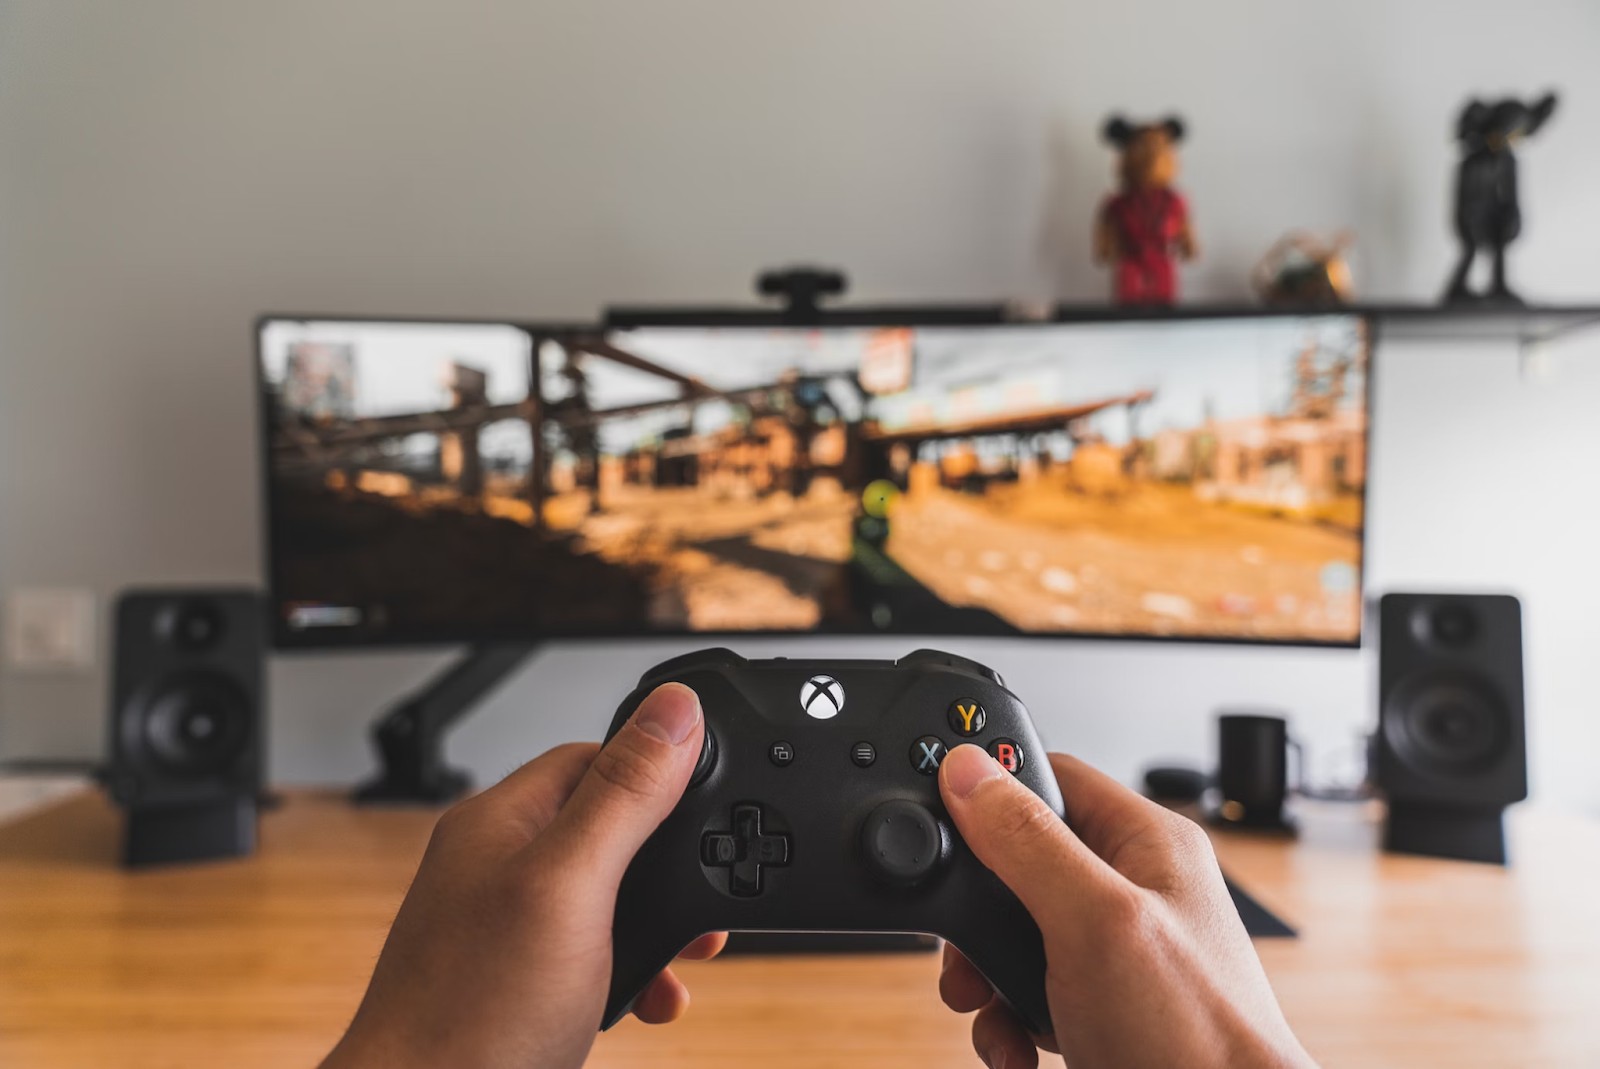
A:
(260, 962)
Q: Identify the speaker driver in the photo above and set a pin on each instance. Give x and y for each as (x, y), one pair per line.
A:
(1446, 724)
(194, 724)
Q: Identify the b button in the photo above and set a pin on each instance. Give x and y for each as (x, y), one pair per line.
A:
(1008, 753)
(967, 717)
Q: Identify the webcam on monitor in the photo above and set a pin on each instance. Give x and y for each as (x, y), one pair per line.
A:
(801, 288)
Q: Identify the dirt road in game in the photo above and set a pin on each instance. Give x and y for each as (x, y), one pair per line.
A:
(722, 563)
(1155, 559)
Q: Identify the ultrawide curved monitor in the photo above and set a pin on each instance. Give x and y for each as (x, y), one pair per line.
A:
(1174, 478)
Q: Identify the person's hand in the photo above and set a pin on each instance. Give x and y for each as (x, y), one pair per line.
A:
(501, 952)
(1147, 961)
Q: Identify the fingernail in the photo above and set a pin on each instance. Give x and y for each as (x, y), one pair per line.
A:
(670, 713)
(995, 1059)
(967, 766)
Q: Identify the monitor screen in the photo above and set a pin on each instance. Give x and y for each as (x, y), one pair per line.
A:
(1197, 478)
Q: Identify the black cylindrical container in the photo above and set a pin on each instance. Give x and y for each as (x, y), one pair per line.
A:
(1253, 769)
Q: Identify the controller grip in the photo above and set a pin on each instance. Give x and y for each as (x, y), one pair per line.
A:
(1013, 963)
(640, 948)
(1015, 969)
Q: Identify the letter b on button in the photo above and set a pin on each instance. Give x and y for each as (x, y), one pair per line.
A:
(1008, 754)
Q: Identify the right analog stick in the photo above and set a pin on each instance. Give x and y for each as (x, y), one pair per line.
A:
(901, 842)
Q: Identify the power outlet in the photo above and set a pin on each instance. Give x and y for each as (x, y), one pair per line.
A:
(50, 629)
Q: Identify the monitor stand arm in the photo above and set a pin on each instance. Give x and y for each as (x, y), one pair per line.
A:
(410, 734)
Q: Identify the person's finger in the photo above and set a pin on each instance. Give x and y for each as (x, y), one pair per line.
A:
(1147, 843)
(706, 947)
(666, 998)
(533, 794)
(663, 1000)
(961, 985)
(630, 787)
(1020, 839)
(964, 989)
(1000, 1039)
(508, 816)
(1105, 814)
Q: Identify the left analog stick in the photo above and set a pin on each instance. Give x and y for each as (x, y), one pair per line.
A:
(708, 757)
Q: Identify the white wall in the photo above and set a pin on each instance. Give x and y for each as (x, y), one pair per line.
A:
(169, 170)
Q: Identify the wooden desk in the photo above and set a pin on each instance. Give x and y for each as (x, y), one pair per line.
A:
(260, 962)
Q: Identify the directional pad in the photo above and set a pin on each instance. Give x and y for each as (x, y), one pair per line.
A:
(744, 850)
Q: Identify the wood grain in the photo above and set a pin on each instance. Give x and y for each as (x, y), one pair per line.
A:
(260, 962)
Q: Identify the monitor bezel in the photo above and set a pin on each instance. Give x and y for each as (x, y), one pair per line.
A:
(284, 638)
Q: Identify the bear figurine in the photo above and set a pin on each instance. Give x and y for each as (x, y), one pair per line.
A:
(1143, 227)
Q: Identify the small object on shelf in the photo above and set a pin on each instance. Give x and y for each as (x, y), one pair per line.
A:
(1143, 228)
(1487, 215)
(1303, 270)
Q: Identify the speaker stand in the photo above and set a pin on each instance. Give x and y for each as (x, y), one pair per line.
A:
(409, 737)
(1461, 834)
(167, 834)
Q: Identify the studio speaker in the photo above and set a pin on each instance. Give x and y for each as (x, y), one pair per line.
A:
(1450, 752)
(186, 723)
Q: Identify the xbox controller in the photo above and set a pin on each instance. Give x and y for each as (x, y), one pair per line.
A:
(814, 806)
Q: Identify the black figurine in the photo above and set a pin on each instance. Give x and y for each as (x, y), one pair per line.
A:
(1486, 188)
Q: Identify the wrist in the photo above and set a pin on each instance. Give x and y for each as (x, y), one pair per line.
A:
(370, 1046)
(1260, 1051)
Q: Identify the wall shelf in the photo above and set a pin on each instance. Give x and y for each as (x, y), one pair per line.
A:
(1528, 325)
(1533, 328)
(1524, 324)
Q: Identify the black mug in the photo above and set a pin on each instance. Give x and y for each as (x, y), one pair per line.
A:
(1253, 769)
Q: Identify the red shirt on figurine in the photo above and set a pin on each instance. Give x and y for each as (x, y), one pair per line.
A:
(1142, 229)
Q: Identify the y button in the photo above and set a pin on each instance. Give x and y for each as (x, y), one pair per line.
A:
(967, 717)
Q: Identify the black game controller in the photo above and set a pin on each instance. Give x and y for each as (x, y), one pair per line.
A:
(815, 807)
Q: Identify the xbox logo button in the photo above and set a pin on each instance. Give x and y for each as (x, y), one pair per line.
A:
(822, 697)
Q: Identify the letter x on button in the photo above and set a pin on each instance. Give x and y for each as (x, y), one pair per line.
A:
(926, 754)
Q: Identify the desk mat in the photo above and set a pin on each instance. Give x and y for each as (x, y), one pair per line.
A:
(1259, 921)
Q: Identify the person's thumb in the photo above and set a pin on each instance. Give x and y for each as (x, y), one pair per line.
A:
(1021, 840)
(631, 786)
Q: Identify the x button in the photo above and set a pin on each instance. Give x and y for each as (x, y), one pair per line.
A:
(926, 754)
